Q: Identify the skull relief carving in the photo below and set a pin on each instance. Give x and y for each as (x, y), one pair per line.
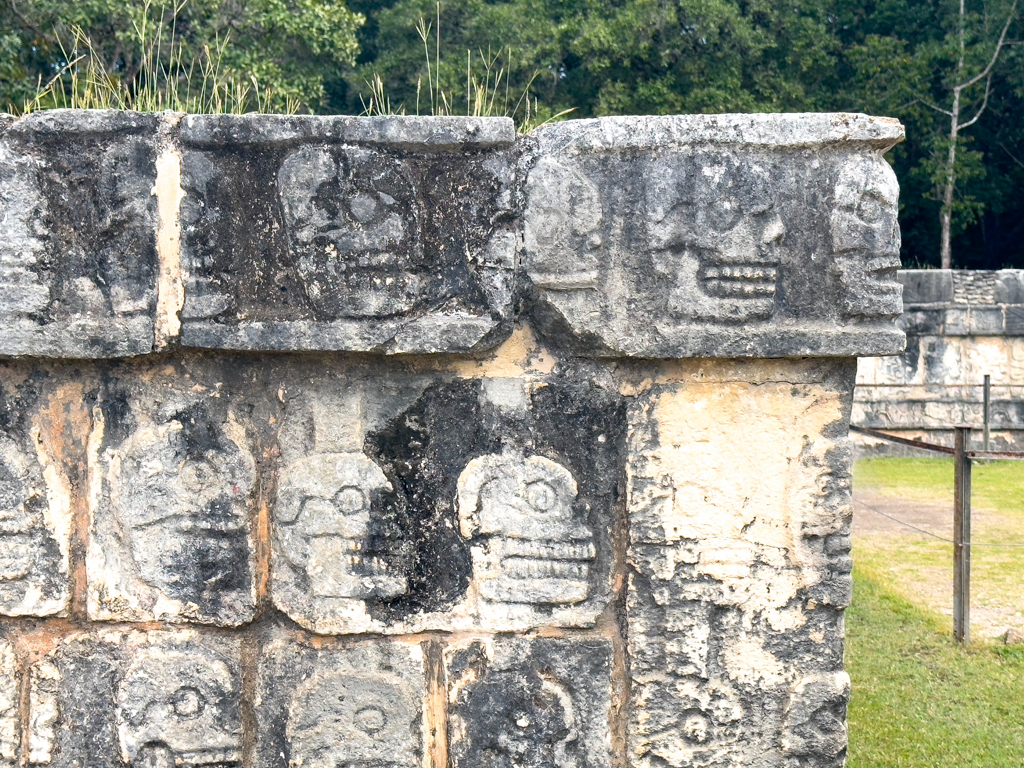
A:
(563, 220)
(323, 514)
(866, 237)
(179, 707)
(715, 234)
(180, 493)
(354, 225)
(353, 720)
(536, 549)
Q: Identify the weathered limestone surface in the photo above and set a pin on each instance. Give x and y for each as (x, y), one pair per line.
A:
(378, 460)
(136, 698)
(960, 326)
(78, 240)
(740, 563)
(303, 233)
(710, 236)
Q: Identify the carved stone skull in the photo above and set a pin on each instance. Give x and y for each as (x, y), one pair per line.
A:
(866, 237)
(715, 234)
(323, 514)
(538, 549)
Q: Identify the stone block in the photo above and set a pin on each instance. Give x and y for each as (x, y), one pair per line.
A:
(44, 424)
(436, 503)
(926, 286)
(358, 705)
(922, 322)
(356, 234)
(707, 236)
(1014, 321)
(740, 558)
(173, 492)
(78, 257)
(137, 698)
(10, 700)
(957, 322)
(1009, 286)
(986, 321)
(533, 703)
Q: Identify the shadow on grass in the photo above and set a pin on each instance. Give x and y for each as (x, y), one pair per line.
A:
(919, 700)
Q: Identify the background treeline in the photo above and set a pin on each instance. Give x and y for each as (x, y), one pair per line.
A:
(904, 58)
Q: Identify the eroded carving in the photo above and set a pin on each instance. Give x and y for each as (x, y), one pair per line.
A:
(562, 227)
(715, 234)
(179, 707)
(529, 704)
(537, 549)
(354, 720)
(33, 569)
(323, 513)
(866, 237)
(9, 706)
(178, 492)
(815, 720)
(354, 225)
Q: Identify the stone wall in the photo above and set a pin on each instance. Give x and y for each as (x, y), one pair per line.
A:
(960, 326)
(403, 442)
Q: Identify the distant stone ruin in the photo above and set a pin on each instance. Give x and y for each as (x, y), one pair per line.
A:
(961, 325)
(407, 442)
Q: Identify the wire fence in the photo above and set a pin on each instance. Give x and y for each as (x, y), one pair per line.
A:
(961, 541)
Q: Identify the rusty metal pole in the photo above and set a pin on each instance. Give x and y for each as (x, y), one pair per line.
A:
(988, 408)
(962, 537)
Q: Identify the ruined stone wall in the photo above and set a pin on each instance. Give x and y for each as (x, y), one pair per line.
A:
(960, 326)
(407, 442)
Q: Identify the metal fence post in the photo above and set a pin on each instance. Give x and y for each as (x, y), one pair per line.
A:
(988, 407)
(962, 537)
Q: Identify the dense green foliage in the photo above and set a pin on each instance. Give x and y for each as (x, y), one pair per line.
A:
(295, 48)
(597, 57)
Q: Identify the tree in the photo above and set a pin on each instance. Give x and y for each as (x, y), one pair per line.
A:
(962, 83)
(291, 47)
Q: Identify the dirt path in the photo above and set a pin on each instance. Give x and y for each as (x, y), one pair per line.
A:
(875, 521)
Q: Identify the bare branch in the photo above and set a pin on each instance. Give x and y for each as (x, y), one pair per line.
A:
(922, 101)
(1012, 156)
(995, 54)
(982, 108)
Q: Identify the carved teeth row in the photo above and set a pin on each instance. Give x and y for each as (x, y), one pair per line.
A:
(525, 568)
(739, 288)
(740, 272)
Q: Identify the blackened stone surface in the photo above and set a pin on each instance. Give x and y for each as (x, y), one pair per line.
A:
(77, 249)
(341, 234)
(532, 703)
(43, 432)
(926, 286)
(360, 705)
(174, 478)
(139, 699)
(698, 236)
(439, 503)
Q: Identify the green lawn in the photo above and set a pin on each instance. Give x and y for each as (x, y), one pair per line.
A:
(919, 699)
(920, 568)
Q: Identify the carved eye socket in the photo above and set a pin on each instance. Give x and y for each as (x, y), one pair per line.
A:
(363, 207)
(350, 500)
(371, 719)
(724, 213)
(188, 702)
(871, 210)
(541, 496)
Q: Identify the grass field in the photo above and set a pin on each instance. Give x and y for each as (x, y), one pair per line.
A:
(920, 568)
(920, 700)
